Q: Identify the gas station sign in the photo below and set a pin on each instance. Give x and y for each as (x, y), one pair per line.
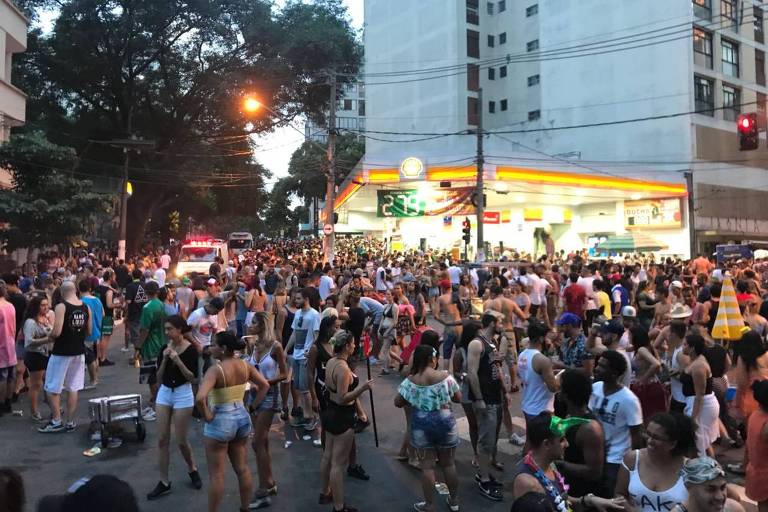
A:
(421, 203)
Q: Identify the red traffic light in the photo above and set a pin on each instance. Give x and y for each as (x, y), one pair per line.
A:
(745, 123)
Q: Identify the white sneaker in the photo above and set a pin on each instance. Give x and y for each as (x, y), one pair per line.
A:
(516, 440)
(125, 349)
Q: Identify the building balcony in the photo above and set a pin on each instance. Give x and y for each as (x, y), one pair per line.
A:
(13, 103)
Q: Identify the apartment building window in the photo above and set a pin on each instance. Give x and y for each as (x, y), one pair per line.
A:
(757, 12)
(502, 5)
(348, 105)
(731, 102)
(503, 105)
(533, 115)
(759, 67)
(533, 80)
(533, 10)
(473, 44)
(503, 72)
(489, 6)
(473, 77)
(532, 46)
(762, 119)
(702, 48)
(728, 13)
(473, 13)
(361, 107)
(491, 41)
(491, 74)
(503, 38)
(730, 52)
(472, 114)
(492, 107)
(704, 91)
(702, 9)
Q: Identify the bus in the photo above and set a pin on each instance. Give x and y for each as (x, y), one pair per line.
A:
(239, 242)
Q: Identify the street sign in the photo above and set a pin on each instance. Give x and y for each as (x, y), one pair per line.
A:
(327, 229)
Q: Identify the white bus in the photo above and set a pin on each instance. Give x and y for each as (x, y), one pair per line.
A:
(239, 242)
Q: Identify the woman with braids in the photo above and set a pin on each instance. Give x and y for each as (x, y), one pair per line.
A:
(434, 435)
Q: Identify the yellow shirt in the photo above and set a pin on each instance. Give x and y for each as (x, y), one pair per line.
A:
(605, 301)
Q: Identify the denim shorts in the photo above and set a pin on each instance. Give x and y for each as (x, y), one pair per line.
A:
(230, 423)
(434, 429)
(449, 340)
(271, 401)
(300, 379)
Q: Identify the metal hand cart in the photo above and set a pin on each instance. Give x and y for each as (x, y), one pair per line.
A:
(107, 410)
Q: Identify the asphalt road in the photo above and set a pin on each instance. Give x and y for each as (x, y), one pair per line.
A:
(50, 463)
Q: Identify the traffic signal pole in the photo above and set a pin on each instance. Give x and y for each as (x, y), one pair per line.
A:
(479, 195)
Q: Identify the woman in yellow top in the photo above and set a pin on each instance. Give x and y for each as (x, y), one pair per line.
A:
(603, 301)
(228, 425)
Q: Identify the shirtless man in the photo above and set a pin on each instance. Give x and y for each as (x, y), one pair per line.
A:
(447, 313)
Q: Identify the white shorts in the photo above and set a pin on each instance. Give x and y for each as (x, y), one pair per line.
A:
(176, 398)
(65, 372)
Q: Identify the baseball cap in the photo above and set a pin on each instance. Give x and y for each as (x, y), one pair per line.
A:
(186, 281)
(568, 319)
(613, 326)
(676, 284)
(629, 312)
(217, 303)
(212, 281)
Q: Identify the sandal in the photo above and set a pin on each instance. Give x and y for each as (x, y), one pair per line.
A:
(498, 466)
(474, 463)
(325, 499)
(736, 469)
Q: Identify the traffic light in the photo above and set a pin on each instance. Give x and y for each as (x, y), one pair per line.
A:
(466, 228)
(748, 133)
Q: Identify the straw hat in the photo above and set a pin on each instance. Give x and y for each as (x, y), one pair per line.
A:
(680, 311)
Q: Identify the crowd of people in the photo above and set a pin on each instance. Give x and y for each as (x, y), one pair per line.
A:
(624, 390)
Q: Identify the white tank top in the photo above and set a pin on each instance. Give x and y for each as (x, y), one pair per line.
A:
(645, 499)
(537, 398)
(674, 383)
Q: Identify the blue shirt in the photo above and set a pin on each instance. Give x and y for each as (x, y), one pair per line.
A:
(97, 315)
(373, 308)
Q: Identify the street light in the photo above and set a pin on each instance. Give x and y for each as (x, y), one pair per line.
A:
(251, 104)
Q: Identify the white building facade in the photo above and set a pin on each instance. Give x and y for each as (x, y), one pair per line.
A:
(13, 39)
(595, 110)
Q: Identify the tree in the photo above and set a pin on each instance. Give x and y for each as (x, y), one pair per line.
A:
(308, 166)
(47, 205)
(174, 72)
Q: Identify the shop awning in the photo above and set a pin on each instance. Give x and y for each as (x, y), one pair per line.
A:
(631, 242)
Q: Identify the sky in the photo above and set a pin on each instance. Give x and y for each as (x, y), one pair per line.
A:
(274, 150)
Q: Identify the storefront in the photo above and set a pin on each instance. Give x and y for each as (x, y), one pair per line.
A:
(419, 206)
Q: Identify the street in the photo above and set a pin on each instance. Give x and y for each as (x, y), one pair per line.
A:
(58, 460)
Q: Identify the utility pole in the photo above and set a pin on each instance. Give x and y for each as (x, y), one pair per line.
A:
(691, 214)
(124, 206)
(330, 193)
(479, 195)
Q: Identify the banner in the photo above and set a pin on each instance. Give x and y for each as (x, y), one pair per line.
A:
(653, 213)
(421, 203)
(491, 217)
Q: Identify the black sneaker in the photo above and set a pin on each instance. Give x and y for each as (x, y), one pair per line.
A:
(490, 491)
(358, 472)
(197, 483)
(51, 428)
(284, 414)
(159, 490)
(106, 362)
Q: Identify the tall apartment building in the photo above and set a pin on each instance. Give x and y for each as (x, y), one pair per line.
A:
(350, 114)
(591, 97)
(13, 39)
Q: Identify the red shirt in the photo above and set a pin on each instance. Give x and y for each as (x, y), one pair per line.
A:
(575, 297)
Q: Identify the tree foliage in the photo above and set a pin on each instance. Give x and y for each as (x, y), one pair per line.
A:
(174, 72)
(46, 206)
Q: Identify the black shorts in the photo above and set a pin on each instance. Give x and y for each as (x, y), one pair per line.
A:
(35, 361)
(337, 419)
(90, 355)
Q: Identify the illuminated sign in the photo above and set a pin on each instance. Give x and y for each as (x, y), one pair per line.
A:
(411, 169)
(653, 214)
(420, 203)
